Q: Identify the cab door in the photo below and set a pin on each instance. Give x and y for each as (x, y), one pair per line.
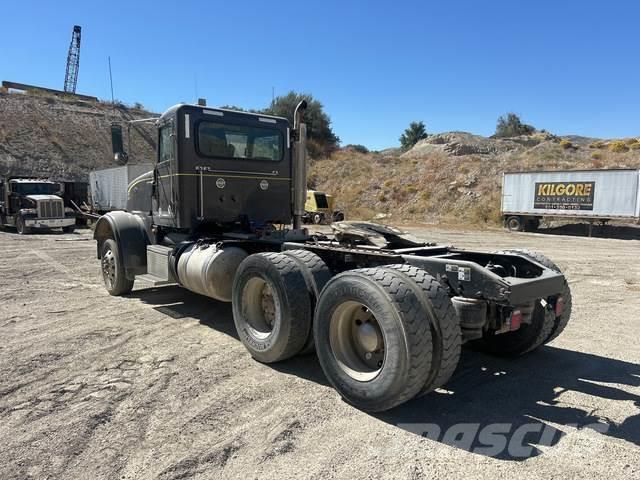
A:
(164, 206)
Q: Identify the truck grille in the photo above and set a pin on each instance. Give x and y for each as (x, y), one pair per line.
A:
(50, 209)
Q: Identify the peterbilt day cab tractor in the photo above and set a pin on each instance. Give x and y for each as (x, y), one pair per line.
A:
(30, 204)
(386, 312)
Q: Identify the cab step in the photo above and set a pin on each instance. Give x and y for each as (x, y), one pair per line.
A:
(154, 281)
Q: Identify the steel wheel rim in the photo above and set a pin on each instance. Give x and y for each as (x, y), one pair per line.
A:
(513, 224)
(357, 341)
(109, 268)
(261, 307)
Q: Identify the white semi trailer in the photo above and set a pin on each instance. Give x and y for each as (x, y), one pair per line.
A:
(591, 195)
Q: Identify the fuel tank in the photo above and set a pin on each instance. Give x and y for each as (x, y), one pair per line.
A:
(209, 270)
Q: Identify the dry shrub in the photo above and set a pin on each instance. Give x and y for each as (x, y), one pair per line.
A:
(618, 146)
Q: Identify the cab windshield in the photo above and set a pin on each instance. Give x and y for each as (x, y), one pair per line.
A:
(220, 140)
(35, 188)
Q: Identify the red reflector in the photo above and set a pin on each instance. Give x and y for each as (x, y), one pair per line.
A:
(559, 306)
(516, 320)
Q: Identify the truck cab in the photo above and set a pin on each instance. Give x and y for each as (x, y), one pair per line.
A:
(30, 204)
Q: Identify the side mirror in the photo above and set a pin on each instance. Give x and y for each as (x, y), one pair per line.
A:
(117, 144)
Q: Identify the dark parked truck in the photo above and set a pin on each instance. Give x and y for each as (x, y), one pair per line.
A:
(30, 204)
(385, 312)
(592, 195)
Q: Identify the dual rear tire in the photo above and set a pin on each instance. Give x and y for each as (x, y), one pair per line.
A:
(382, 335)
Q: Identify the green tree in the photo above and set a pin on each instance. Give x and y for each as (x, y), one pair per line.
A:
(412, 135)
(510, 125)
(322, 140)
(357, 148)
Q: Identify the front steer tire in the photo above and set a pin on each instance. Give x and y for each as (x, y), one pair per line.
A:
(372, 338)
(113, 271)
(21, 227)
(271, 306)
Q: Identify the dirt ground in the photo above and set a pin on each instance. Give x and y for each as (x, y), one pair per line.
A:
(157, 384)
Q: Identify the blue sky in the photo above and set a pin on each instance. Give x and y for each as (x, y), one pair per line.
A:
(571, 67)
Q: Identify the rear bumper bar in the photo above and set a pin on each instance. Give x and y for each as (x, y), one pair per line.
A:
(469, 279)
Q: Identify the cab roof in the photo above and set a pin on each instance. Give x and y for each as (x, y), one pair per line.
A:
(171, 110)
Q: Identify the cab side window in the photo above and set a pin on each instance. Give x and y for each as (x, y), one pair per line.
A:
(165, 146)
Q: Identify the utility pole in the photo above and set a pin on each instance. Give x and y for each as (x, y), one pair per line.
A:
(111, 82)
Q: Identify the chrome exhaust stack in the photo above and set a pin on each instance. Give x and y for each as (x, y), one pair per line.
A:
(299, 165)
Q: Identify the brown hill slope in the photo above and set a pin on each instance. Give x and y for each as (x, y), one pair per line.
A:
(454, 177)
(64, 138)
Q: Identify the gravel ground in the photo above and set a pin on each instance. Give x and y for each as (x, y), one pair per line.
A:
(157, 385)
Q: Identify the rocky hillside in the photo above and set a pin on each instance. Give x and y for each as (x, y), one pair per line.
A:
(455, 176)
(65, 138)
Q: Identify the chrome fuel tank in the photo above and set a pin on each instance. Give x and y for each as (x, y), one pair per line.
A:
(209, 270)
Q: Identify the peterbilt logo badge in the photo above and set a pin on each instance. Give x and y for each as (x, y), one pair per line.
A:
(264, 184)
(220, 183)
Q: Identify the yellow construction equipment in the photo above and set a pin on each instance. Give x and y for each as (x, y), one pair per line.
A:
(320, 208)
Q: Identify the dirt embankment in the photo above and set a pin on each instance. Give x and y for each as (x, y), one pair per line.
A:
(65, 138)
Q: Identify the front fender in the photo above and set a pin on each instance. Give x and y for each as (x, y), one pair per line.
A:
(130, 233)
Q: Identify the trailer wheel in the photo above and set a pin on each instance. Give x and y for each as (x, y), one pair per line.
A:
(271, 306)
(113, 272)
(21, 227)
(445, 324)
(373, 338)
(515, 224)
(316, 275)
(560, 321)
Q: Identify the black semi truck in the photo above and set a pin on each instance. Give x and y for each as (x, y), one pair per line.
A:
(385, 312)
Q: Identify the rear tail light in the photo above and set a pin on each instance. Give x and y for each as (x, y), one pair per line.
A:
(559, 306)
(516, 320)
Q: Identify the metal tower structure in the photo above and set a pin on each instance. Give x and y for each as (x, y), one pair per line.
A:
(73, 61)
